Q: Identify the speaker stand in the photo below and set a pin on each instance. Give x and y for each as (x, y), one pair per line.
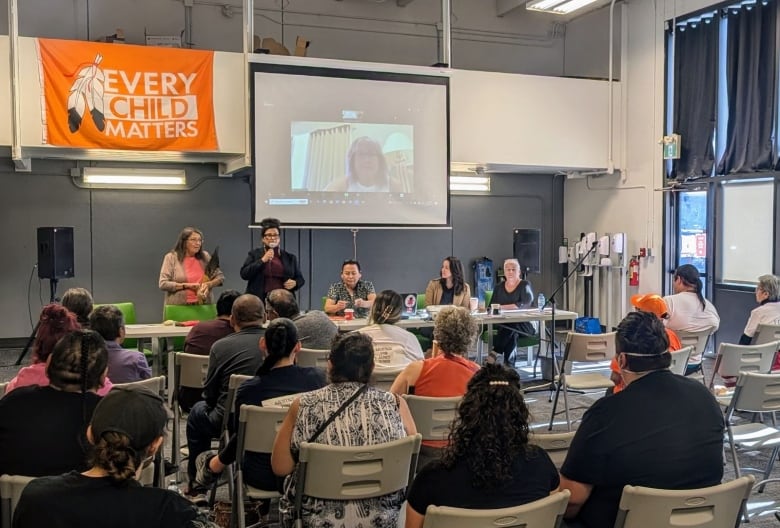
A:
(52, 299)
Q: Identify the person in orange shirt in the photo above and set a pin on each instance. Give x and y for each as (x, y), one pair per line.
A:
(654, 303)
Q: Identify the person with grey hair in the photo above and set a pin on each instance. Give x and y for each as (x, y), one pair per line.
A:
(124, 366)
(768, 310)
(79, 302)
(315, 329)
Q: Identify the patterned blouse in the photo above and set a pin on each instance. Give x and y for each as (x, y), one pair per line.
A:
(338, 292)
(373, 418)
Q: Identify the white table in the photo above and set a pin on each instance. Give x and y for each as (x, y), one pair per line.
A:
(507, 316)
(157, 333)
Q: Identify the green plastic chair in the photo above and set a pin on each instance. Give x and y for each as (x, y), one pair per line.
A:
(188, 312)
(421, 304)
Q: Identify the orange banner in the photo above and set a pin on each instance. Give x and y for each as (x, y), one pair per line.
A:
(117, 96)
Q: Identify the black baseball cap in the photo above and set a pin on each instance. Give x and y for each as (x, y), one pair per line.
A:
(137, 413)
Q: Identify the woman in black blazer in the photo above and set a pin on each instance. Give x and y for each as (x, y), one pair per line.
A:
(269, 267)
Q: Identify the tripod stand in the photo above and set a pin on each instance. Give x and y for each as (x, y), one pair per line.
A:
(551, 332)
(52, 299)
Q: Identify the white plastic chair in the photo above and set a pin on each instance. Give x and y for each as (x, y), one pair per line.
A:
(356, 472)
(734, 359)
(556, 444)
(311, 357)
(718, 506)
(754, 393)
(257, 428)
(433, 416)
(582, 348)
(699, 342)
(189, 370)
(680, 360)
(11, 487)
(543, 513)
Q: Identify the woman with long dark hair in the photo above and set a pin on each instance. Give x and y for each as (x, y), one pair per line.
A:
(488, 462)
(689, 311)
(126, 430)
(185, 275)
(277, 376)
(451, 286)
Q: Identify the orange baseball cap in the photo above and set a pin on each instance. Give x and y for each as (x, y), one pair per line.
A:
(650, 302)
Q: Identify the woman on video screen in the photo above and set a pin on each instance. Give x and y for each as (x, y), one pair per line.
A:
(367, 169)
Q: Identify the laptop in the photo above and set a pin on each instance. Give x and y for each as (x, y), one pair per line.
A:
(409, 301)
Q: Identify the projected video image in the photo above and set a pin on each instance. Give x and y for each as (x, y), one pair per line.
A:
(352, 157)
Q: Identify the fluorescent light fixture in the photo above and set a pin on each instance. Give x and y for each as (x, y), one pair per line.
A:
(470, 183)
(118, 178)
(560, 7)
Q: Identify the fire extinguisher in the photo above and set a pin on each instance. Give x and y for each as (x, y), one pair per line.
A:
(633, 271)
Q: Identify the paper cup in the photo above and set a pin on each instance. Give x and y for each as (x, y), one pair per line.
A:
(473, 303)
(349, 314)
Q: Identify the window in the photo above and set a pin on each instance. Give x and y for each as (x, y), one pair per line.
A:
(747, 231)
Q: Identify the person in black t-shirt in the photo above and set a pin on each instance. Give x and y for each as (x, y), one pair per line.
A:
(489, 463)
(126, 431)
(661, 431)
(42, 429)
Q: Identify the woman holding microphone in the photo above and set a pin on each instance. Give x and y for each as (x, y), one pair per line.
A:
(269, 267)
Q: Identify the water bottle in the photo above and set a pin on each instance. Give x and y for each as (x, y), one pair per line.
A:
(540, 300)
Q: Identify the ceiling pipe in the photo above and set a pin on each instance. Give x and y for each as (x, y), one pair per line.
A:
(21, 164)
(446, 33)
(610, 127)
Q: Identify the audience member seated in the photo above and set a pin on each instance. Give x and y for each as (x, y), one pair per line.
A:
(512, 294)
(489, 463)
(661, 431)
(394, 347)
(54, 323)
(124, 366)
(689, 311)
(374, 417)
(42, 428)
(79, 302)
(206, 333)
(315, 329)
(768, 311)
(127, 429)
(451, 286)
(238, 353)
(654, 304)
(447, 372)
(277, 376)
(351, 292)
(202, 336)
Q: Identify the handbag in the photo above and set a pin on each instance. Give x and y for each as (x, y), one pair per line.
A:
(338, 411)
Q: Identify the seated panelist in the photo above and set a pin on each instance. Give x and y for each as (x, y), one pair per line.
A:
(350, 292)
(450, 287)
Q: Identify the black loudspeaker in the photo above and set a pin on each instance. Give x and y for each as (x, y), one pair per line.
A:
(55, 252)
(526, 246)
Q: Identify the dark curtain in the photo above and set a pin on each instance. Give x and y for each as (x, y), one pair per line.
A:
(695, 99)
(751, 67)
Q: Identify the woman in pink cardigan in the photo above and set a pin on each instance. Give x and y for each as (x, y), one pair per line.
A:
(55, 322)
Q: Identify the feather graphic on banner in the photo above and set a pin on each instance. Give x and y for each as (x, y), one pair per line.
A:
(87, 91)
